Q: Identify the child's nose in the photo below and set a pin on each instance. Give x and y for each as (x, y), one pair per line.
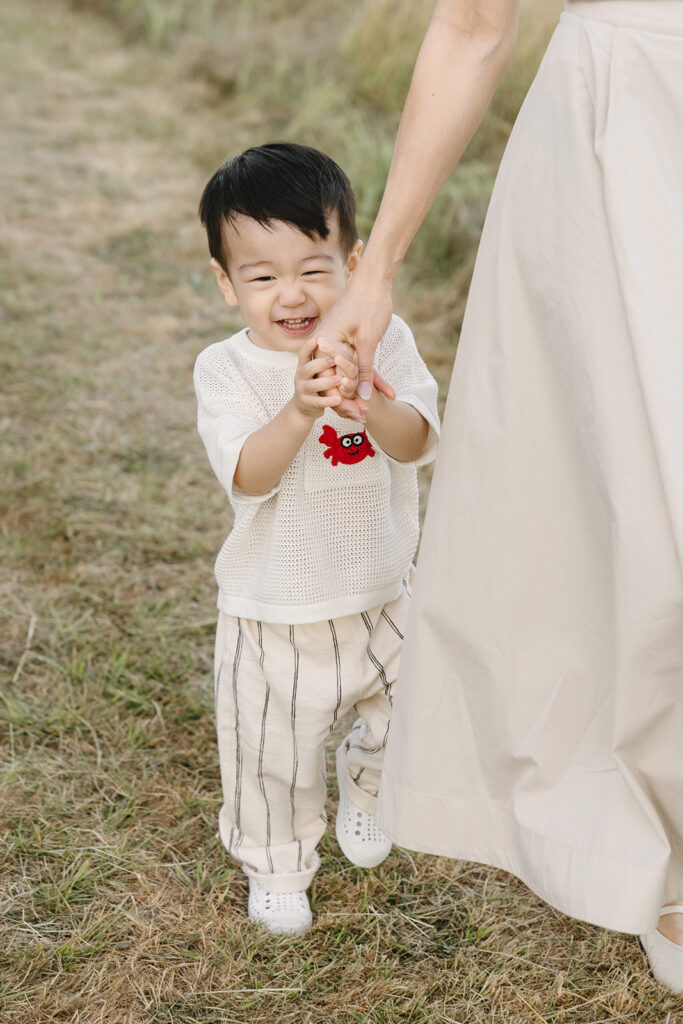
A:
(292, 294)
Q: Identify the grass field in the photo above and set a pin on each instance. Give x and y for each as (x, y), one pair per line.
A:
(118, 903)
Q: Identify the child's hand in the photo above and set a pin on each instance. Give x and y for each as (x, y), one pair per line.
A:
(346, 359)
(346, 363)
(315, 382)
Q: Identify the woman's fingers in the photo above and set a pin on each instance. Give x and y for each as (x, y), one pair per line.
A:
(346, 362)
(335, 346)
(347, 367)
(349, 409)
(382, 385)
(347, 388)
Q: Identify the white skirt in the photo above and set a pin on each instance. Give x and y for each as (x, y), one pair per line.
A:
(539, 720)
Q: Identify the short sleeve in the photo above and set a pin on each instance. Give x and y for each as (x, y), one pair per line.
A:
(227, 413)
(400, 363)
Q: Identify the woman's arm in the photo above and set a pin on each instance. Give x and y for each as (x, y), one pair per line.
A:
(462, 58)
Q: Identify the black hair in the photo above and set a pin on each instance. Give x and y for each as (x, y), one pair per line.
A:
(279, 181)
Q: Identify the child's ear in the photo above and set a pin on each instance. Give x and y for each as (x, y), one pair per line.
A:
(224, 283)
(354, 257)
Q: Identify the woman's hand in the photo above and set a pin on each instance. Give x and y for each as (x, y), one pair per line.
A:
(359, 318)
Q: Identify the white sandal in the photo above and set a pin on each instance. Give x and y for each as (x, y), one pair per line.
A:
(282, 913)
(358, 834)
(665, 956)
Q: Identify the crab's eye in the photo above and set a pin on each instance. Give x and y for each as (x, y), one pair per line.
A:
(346, 442)
(358, 439)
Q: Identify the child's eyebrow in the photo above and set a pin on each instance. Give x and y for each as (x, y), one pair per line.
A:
(255, 263)
(265, 263)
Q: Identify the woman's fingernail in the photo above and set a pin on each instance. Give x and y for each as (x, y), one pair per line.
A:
(365, 389)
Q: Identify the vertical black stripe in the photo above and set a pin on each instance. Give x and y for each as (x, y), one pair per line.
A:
(295, 751)
(337, 662)
(238, 748)
(261, 781)
(375, 661)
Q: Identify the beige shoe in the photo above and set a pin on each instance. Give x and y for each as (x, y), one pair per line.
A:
(665, 956)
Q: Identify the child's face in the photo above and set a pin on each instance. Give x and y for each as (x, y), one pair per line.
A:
(283, 282)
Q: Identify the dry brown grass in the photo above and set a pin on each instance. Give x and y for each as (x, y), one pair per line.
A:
(118, 904)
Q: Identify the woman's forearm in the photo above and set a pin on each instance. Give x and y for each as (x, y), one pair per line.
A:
(461, 61)
(463, 56)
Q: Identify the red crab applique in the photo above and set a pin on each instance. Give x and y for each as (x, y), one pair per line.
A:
(348, 449)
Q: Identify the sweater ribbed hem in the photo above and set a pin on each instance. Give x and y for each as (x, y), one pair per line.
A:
(293, 615)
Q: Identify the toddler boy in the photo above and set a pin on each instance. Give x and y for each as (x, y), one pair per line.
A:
(314, 577)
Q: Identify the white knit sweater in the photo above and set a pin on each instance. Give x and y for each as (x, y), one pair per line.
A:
(339, 532)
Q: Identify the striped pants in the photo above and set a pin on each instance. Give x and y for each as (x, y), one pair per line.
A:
(279, 692)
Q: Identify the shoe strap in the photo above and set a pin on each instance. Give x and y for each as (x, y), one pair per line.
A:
(676, 908)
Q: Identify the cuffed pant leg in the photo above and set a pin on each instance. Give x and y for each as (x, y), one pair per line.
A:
(364, 747)
(275, 699)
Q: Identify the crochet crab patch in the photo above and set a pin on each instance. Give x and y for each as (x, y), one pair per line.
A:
(348, 449)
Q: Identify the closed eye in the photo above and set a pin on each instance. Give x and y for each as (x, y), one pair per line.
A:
(264, 278)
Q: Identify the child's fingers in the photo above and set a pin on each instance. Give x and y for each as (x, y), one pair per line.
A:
(322, 401)
(320, 384)
(306, 351)
(319, 365)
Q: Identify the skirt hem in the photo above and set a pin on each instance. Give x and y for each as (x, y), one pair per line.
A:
(599, 890)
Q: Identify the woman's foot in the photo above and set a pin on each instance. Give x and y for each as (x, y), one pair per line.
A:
(671, 923)
(282, 913)
(664, 948)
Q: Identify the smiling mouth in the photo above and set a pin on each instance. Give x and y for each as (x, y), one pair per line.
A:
(298, 324)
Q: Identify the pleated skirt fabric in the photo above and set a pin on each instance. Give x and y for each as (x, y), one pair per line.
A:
(539, 722)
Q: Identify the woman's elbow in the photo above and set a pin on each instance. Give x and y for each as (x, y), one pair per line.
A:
(488, 26)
